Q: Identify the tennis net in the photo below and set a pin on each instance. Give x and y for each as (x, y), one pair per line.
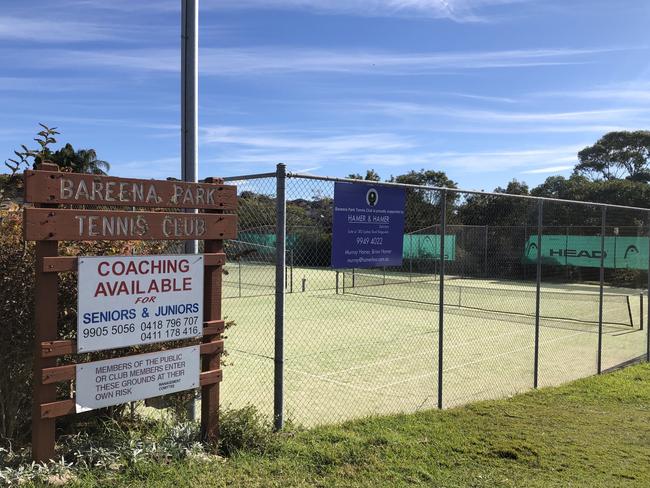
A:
(554, 304)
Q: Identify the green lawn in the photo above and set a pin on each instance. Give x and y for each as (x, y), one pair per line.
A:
(593, 432)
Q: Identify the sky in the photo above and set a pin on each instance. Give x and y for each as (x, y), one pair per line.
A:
(485, 90)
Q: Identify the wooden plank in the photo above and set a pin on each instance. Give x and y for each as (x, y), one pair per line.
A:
(213, 348)
(62, 264)
(53, 410)
(211, 377)
(57, 374)
(94, 225)
(214, 259)
(84, 189)
(52, 349)
(213, 327)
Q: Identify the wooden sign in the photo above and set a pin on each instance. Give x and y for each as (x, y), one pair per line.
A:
(82, 189)
(44, 224)
(47, 224)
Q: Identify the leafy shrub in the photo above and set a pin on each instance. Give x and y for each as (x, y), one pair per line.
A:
(244, 429)
(105, 446)
(17, 312)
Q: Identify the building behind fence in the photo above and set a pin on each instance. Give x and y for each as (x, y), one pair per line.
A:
(496, 294)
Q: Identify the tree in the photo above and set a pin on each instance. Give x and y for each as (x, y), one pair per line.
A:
(425, 178)
(481, 209)
(617, 155)
(371, 175)
(81, 161)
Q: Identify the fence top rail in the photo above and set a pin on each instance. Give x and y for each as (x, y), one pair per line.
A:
(457, 190)
(255, 176)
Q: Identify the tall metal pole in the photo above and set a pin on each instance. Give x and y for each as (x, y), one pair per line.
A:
(189, 109)
(280, 265)
(190, 97)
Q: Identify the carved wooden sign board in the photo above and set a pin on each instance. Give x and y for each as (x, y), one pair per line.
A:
(127, 300)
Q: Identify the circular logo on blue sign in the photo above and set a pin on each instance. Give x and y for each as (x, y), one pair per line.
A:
(372, 197)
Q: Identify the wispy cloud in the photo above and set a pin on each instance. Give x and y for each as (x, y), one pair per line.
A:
(456, 10)
(483, 98)
(631, 92)
(246, 146)
(274, 139)
(52, 30)
(463, 119)
(405, 109)
(255, 61)
(48, 84)
(548, 170)
(506, 159)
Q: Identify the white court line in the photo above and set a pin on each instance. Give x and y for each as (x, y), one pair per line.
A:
(395, 359)
(340, 383)
(473, 362)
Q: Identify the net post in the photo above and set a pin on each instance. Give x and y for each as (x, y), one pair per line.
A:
(485, 252)
(410, 257)
(280, 264)
(538, 289)
(641, 311)
(599, 365)
(291, 272)
(629, 310)
(441, 290)
(337, 281)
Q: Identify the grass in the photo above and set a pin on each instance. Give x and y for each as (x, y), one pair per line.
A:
(592, 432)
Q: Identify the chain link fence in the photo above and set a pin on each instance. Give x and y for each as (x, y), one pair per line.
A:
(496, 294)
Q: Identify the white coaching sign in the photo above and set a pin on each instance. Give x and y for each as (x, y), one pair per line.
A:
(120, 380)
(133, 300)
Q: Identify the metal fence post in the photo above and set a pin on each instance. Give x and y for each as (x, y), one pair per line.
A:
(280, 264)
(647, 354)
(602, 286)
(538, 290)
(441, 306)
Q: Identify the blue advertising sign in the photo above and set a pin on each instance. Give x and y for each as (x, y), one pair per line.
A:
(368, 226)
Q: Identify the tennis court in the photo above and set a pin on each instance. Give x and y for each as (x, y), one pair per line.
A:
(371, 347)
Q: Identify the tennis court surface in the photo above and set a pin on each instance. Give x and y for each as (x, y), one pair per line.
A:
(372, 346)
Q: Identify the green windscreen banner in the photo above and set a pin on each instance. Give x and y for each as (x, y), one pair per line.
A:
(427, 246)
(585, 251)
(265, 240)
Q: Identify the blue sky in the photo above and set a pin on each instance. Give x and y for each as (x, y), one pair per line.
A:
(486, 90)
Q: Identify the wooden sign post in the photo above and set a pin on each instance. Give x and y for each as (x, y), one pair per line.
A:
(47, 223)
